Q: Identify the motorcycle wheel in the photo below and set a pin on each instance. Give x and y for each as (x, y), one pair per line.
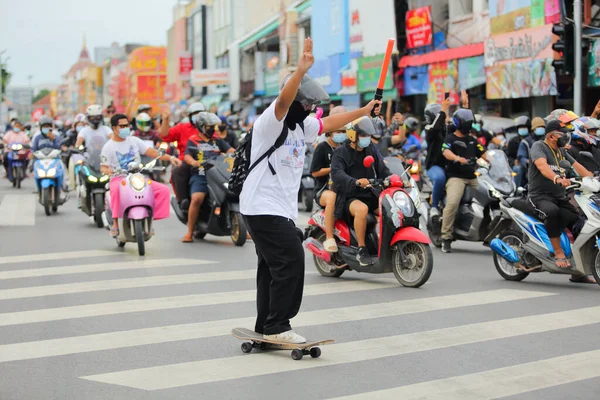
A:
(307, 199)
(56, 200)
(46, 201)
(504, 268)
(596, 269)
(436, 238)
(19, 177)
(139, 236)
(420, 266)
(98, 209)
(326, 269)
(239, 233)
(14, 178)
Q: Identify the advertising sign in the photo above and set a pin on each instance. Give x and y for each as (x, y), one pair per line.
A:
(148, 59)
(147, 89)
(594, 64)
(471, 72)
(418, 27)
(206, 77)
(368, 74)
(416, 80)
(186, 64)
(443, 78)
(526, 44)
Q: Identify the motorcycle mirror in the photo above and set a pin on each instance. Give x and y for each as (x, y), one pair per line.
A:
(564, 164)
(368, 161)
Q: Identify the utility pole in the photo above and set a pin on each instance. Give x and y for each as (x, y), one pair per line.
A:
(578, 71)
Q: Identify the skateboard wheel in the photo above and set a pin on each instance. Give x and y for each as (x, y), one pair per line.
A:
(246, 347)
(315, 352)
(297, 354)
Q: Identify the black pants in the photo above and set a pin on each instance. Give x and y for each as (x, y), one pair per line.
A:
(557, 214)
(280, 275)
(180, 179)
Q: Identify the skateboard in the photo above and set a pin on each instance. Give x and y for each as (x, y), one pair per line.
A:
(257, 341)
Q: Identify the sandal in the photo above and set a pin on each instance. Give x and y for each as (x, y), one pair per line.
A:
(582, 279)
(562, 260)
(114, 232)
(187, 239)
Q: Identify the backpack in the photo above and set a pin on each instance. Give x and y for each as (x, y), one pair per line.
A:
(241, 165)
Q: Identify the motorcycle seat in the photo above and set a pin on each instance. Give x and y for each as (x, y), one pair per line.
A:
(521, 204)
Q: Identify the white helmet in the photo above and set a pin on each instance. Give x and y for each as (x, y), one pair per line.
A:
(94, 115)
(143, 122)
(195, 108)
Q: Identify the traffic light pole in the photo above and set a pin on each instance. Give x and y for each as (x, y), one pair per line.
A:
(578, 68)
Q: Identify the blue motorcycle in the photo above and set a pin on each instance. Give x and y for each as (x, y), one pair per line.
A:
(17, 163)
(49, 176)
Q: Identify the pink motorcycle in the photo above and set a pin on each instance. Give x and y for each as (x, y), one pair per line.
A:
(136, 208)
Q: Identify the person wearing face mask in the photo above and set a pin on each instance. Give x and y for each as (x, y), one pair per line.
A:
(181, 133)
(47, 138)
(121, 150)
(201, 147)
(321, 170)
(524, 126)
(350, 178)
(411, 127)
(225, 134)
(14, 136)
(94, 136)
(547, 183)
(582, 141)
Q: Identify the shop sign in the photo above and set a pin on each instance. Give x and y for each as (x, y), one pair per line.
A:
(471, 72)
(271, 83)
(416, 80)
(418, 27)
(443, 78)
(510, 15)
(533, 43)
(368, 74)
(207, 77)
(521, 79)
(185, 64)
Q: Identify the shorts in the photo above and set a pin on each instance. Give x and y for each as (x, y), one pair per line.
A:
(372, 203)
(198, 184)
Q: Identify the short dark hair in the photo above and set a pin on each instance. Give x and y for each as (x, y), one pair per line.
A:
(114, 120)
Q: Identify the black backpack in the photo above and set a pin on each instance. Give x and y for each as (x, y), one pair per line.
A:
(241, 166)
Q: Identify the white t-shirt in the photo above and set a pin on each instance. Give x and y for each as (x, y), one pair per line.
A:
(120, 154)
(94, 140)
(267, 194)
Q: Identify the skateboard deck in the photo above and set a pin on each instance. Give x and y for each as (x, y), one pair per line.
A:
(257, 341)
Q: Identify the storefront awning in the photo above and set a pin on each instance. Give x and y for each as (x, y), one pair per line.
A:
(261, 33)
(470, 50)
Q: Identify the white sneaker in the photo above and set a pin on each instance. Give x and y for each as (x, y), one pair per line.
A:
(286, 337)
(434, 212)
(330, 245)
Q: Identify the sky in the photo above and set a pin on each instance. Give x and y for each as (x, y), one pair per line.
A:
(43, 38)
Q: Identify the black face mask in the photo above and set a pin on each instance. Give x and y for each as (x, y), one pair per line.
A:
(295, 115)
(562, 141)
(210, 131)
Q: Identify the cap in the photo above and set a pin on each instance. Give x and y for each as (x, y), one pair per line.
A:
(556, 126)
(537, 122)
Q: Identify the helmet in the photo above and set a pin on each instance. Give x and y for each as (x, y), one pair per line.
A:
(361, 126)
(58, 124)
(591, 124)
(45, 120)
(431, 111)
(564, 116)
(411, 124)
(523, 120)
(195, 108)
(463, 120)
(310, 93)
(143, 121)
(206, 119)
(94, 115)
(580, 131)
(379, 125)
(142, 108)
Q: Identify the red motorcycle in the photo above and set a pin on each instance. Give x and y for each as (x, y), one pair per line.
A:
(393, 236)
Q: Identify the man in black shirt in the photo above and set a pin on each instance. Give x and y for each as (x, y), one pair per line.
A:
(351, 178)
(225, 134)
(320, 170)
(460, 149)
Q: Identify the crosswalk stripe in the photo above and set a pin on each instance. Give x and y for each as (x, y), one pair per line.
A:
(167, 303)
(58, 256)
(184, 374)
(17, 210)
(165, 334)
(501, 382)
(103, 267)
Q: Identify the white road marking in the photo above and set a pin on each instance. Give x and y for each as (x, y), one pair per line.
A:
(496, 383)
(184, 374)
(58, 256)
(17, 210)
(167, 303)
(165, 334)
(103, 267)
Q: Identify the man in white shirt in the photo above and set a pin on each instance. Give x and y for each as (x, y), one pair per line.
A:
(269, 201)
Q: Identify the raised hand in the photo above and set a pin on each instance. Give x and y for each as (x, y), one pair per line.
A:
(307, 59)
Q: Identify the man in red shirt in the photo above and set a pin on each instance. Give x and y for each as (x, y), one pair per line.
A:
(181, 133)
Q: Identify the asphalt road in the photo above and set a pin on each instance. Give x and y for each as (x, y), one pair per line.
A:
(82, 319)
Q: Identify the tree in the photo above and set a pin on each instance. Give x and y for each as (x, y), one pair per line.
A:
(4, 78)
(41, 94)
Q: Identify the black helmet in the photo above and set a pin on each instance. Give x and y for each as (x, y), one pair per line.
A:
(362, 126)
(379, 125)
(411, 124)
(431, 111)
(463, 119)
(310, 93)
(523, 120)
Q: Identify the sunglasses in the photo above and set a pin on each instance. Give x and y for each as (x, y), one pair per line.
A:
(123, 126)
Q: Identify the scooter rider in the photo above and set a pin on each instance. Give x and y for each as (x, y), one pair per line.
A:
(547, 182)
(321, 170)
(200, 148)
(411, 128)
(47, 137)
(269, 197)
(145, 130)
(350, 178)
(181, 133)
(225, 133)
(459, 149)
(582, 141)
(95, 136)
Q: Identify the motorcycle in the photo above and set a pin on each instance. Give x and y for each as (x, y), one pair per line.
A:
(479, 209)
(49, 175)
(220, 212)
(394, 236)
(17, 163)
(307, 184)
(136, 208)
(149, 166)
(521, 245)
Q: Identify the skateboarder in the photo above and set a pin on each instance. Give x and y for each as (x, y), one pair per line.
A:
(269, 198)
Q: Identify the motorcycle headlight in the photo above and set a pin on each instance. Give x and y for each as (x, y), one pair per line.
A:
(17, 147)
(92, 178)
(495, 193)
(51, 173)
(404, 203)
(137, 182)
(41, 173)
(164, 146)
(414, 169)
(104, 178)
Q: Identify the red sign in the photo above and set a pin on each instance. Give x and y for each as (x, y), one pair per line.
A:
(147, 89)
(186, 64)
(418, 27)
(37, 114)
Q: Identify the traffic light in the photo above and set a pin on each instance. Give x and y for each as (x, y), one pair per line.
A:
(559, 47)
